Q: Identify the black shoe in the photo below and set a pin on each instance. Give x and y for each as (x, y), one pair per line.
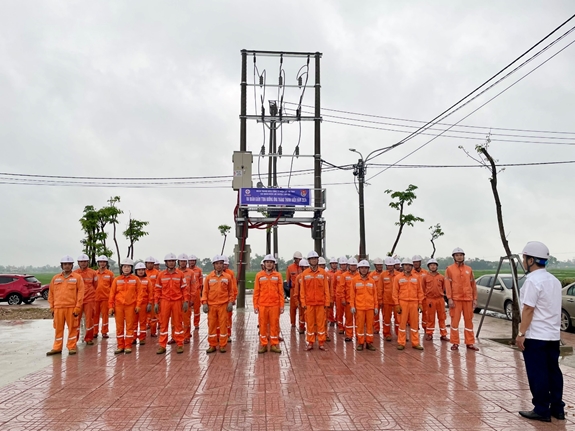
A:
(560, 416)
(532, 415)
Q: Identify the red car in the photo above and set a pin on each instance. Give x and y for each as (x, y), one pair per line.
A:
(18, 288)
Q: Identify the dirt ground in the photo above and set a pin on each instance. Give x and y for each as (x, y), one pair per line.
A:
(24, 313)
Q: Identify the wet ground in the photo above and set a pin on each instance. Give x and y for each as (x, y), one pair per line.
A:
(341, 389)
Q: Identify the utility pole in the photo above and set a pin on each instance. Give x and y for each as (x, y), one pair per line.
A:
(360, 168)
(317, 152)
(243, 147)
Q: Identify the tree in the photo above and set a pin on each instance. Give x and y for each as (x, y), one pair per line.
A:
(133, 233)
(436, 232)
(402, 199)
(224, 230)
(111, 213)
(95, 240)
(486, 160)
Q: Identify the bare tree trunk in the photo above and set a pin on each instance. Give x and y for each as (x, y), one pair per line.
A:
(516, 316)
(399, 232)
(224, 245)
(117, 247)
(433, 244)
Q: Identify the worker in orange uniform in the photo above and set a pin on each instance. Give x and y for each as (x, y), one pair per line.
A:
(171, 299)
(397, 265)
(217, 302)
(364, 305)
(197, 301)
(434, 302)
(144, 305)
(322, 263)
(88, 308)
(235, 293)
(314, 297)
(152, 275)
(417, 269)
(376, 274)
(339, 298)
(157, 265)
(191, 282)
(408, 299)
(125, 297)
(269, 304)
(385, 298)
(292, 272)
(461, 293)
(103, 280)
(303, 265)
(332, 273)
(345, 293)
(66, 296)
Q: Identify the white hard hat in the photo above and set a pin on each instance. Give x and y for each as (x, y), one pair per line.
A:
(457, 250)
(170, 256)
(377, 261)
(140, 265)
(183, 256)
(102, 258)
(67, 259)
(536, 249)
(297, 255)
(430, 261)
(407, 261)
(150, 259)
(127, 261)
(156, 262)
(262, 262)
(389, 261)
(333, 260)
(352, 261)
(343, 260)
(416, 258)
(217, 258)
(312, 254)
(396, 261)
(192, 257)
(269, 257)
(83, 257)
(226, 260)
(363, 264)
(304, 263)
(321, 261)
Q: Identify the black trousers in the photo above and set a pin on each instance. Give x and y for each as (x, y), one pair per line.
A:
(544, 375)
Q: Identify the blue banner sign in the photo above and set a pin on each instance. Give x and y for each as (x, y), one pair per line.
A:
(274, 197)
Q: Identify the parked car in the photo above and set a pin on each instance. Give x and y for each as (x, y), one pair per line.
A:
(568, 307)
(502, 297)
(18, 288)
(45, 291)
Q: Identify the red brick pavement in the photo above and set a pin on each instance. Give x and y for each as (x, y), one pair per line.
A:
(340, 389)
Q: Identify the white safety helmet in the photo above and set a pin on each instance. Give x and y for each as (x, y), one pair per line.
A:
(156, 262)
(389, 261)
(262, 263)
(304, 263)
(127, 261)
(140, 265)
(269, 257)
(218, 258)
(396, 261)
(363, 264)
(297, 255)
(457, 250)
(333, 260)
(352, 261)
(67, 259)
(83, 257)
(312, 254)
(416, 258)
(183, 256)
(150, 259)
(170, 256)
(377, 261)
(343, 260)
(536, 249)
(321, 261)
(192, 257)
(430, 261)
(407, 261)
(226, 260)
(102, 258)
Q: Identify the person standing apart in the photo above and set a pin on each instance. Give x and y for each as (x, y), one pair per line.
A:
(269, 304)
(540, 333)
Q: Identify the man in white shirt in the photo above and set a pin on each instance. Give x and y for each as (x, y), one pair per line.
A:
(539, 335)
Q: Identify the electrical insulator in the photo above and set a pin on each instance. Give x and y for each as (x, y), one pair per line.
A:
(281, 80)
(297, 151)
(280, 150)
(261, 80)
(299, 81)
(263, 150)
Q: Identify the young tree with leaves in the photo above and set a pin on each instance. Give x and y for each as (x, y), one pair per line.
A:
(436, 232)
(133, 233)
(401, 200)
(224, 230)
(111, 213)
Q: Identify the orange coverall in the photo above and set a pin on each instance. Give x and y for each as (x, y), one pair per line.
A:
(125, 295)
(345, 292)
(235, 293)
(332, 278)
(377, 324)
(269, 300)
(88, 275)
(385, 298)
(460, 287)
(297, 295)
(217, 293)
(314, 297)
(292, 272)
(171, 292)
(152, 275)
(434, 304)
(364, 300)
(198, 298)
(65, 296)
(408, 294)
(103, 281)
(192, 283)
(339, 307)
(422, 273)
(142, 317)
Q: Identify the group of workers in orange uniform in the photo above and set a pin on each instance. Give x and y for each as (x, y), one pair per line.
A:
(142, 297)
(365, 301)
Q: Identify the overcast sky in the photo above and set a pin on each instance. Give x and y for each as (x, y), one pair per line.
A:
(148, 89)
